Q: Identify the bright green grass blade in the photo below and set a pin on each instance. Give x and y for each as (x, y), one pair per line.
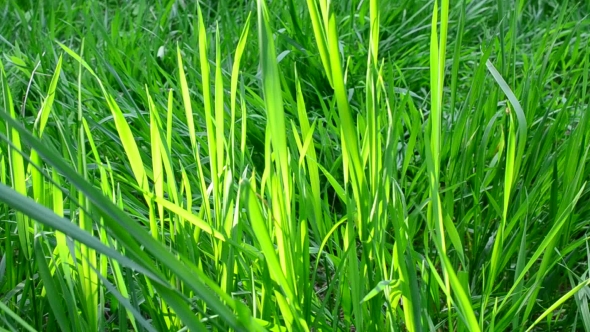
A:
(272, 97)
(63, 251)
(347, 126)
(17, 166)
(234, 82)
(157, 169)
(353, 171)
(47, 105)
(518, 271)
(40, 123)
(463, 300)
(311, 160)
(186, 101)
(78, 59)
(263, 236)
(114, 264)
(522, 122)
(219, 108)
(208, 107)
(209, 114)
(393, 285)
(321, 36)
(190, 217)
(169, 116)
(374, 19)
(508, 180)
(129, 144)
(88, 278)
(280, 188)
(432, 153)
(133, 154)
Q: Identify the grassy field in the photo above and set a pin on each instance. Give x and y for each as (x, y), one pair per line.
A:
(257, 165)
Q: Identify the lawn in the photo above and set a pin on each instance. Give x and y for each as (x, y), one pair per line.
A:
(291, 165)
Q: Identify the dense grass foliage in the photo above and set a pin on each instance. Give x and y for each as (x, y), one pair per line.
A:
(294, 165)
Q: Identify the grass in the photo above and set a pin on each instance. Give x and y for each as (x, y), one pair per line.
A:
(294, 165)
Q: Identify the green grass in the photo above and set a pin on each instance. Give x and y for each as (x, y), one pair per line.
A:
(294, 165)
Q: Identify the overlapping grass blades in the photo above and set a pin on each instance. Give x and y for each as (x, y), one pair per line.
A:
(331, 169)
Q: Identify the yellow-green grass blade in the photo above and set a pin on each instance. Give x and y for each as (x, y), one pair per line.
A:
(311, 161)
(521, 136)
(353, 172)
(106, 186)
(347, 127)
(208, 107)
(169, 116)
(40, 123)
(203, 187)
(272, 97)
(463, 299)
(133, 155)
(438, 44)
(189, 216)
(166, 148)
(244, 120)
(156, 146)
(508, 180)
(17, 166)
(62, 251)
(47, 105)
(219, 109)
(279, 177)
(89, 279)
(220, 195)
(209, 114)
(264, 239)
(321, 36)
(234, 83)
(186, 101)
(374, 21)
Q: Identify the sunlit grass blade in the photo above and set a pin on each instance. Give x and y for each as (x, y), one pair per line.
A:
(321, 34)
(234, 85)
(186, 100)
(264, 238)
(17, 166)
(272, 97)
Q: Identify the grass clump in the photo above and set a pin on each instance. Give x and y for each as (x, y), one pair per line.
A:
(294, 166)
